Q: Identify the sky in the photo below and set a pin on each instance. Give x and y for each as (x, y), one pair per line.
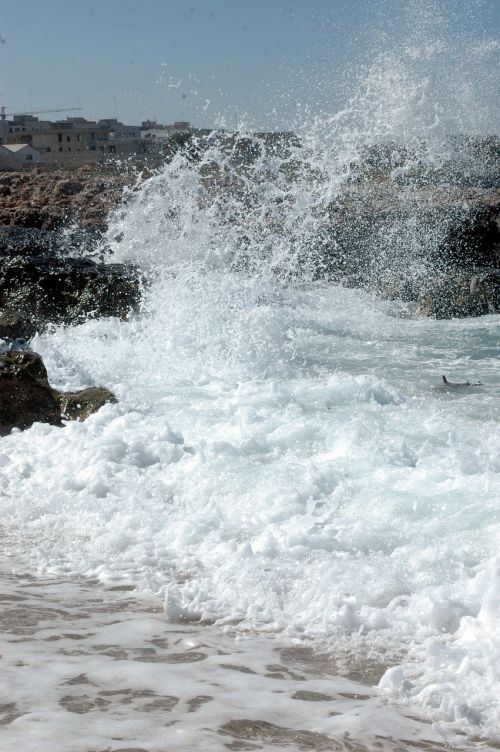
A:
(212, 61)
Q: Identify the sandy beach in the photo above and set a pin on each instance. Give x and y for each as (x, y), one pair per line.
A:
(91, 669)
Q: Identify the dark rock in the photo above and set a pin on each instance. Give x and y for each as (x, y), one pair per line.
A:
(67, 290)
(26, 216)
(437, 247)
(50, 275)
(460, 294)
(30, 362)
(25, 394)
(474, 239)
(69, 187)
(22, 241)
(79, 405)
(15, 326)
(378, 233)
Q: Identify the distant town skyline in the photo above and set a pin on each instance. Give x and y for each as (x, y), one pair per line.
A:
(211, 61)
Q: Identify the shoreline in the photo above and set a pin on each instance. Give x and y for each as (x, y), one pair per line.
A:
(75, 651)
(87, 668)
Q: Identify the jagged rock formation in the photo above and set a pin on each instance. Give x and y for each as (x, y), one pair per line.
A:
(66, 290)
(46, 200)
(50, 274)
(53, 273)
(466, 293)
(79, 405)
(436, 246)
(26, 396)
(15, 327)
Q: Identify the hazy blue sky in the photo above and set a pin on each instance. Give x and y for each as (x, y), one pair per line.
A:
(199, 59)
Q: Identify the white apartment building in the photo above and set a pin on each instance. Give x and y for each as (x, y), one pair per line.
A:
(18, 156)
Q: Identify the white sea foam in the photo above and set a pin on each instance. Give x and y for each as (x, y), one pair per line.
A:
(122, 677)
(280, 457)
(331, 492)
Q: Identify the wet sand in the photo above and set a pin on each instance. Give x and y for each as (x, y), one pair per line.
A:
(91, 669)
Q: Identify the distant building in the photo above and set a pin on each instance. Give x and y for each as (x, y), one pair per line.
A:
(180, 126)
(63, 143)
(157, 134)
(26, 124)
(155, 131)
(118, 129)
(75, 122)
(18, 156)
(147, 125)
(77, 141)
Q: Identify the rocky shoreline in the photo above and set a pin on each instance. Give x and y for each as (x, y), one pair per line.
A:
(26, 396)
(51, 270)
(51, 276)
(49, 200)
(437, 247)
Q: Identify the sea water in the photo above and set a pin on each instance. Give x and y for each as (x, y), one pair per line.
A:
(283, 458)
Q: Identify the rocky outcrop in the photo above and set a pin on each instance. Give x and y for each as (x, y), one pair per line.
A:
(47, 200)
(387, 223)
(462, 294)
(79, 405)
(15, 327)
(436, 246)
(67, 290)
(26, 396)
(50, 271)
(69, 241)
(25, 393)
(421, 243)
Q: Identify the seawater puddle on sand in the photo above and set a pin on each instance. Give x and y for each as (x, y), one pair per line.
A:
(92, 669)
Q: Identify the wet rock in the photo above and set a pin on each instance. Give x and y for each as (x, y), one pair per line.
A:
(53, 276)
(266, 733)
(24, 360)
(484, 289)
(67, 290)
(79, 405)
(378, 232)
(77, 242)
(475, 237)
(26, 396)
(25, 393)
(436, 248)
(461, 294)
(15, 326)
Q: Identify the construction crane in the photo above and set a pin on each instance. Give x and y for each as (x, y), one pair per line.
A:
(4, 115)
